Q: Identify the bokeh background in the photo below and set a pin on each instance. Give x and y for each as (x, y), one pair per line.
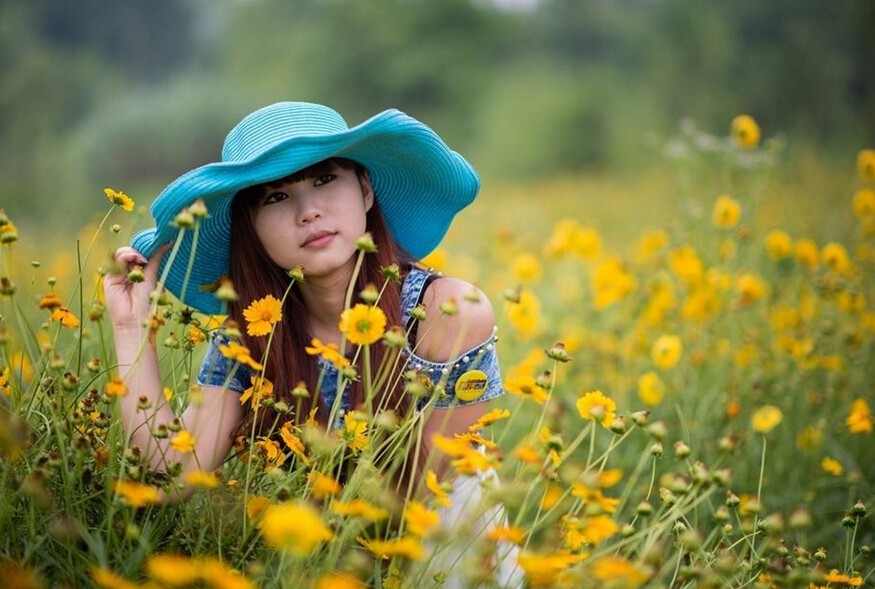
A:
(101, 93)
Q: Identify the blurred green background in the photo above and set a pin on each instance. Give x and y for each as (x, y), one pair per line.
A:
(130, 94)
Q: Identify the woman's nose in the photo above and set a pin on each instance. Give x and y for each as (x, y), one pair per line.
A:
(308, 209)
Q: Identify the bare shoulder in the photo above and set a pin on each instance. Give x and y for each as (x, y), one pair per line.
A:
(470, 322)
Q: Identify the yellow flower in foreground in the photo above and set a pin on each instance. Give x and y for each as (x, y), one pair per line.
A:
(172, 570)
(136, 494)
(832, 466)
(115, 387)
(362, 324)
(766, 418)
(293, 442)
(355, 432)
(595, 405)
(512, 534)
(866, 164)
(109, 580)
(407, 547)
(202, 479)
(256, 506)
(489, 419)
(220, 576)
(420, 519)
(618, 570)
(440, 495)
(119, 198)
(339, 581)
(65, 317)
(436, 260)
(295, 527)
(745, 131)
(50, 301)
(666, 351)
(726, 212)
(262, 315)
(360, 508)
(650, 388)
(329, 352)
(543, 570)
(238, 353)
(183, 442)
(323, 485)
(859, 421)
(260, 390)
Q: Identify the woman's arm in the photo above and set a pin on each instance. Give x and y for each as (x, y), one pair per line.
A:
(210, 420)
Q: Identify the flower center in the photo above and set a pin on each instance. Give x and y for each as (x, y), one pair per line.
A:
(363, 325)
(265, 315)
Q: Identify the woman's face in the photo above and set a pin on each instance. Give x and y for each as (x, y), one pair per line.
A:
(315, 221)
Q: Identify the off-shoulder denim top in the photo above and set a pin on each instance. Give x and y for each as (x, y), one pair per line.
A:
(472, 377)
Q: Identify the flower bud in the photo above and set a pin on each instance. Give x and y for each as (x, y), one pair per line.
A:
(394, 337)
(226, 291)
(349, 373)
(418, 313)
(728, 444)
(858, 510)
(773, 523)
(175, 426)
(512, 295)
(722, 476)
(644, 508)
(171, 341)
(849, 521)
(93, 365)
(391, 273)
(681, 450)
(183, 220)
(627, 530)
(366, 244)
(370, 294)
(300, 391)
(618, 426)
(656, 449)
(160, 431)
(281, 407)
(449, 307)
(143, 403)
(721, 514)
(545, 380)
(136, 274)
(472, 296)
(639, 418)
(732, 500)
(198, 209)
(800, 519)
(558, 353)
(296, 273)
(728, 529)
(657, 430)
(96, 311)
(820, 554)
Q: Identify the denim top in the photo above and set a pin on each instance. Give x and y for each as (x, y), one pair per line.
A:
(477, 367)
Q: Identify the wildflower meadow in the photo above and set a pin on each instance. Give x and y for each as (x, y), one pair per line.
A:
(689, 401)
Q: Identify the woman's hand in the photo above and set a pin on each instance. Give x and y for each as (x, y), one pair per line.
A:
(128, 302)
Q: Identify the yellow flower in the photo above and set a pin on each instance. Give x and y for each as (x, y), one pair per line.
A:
(355, 432)
(195, 336)
(239, 353)
(745, 131)
(489, 419)
(339, 581)
(526, 268)
(420, 520)
(202, 479)
(595, 405)
(50, 301)
(407, 547)
(260, 390)
(262, 315)
(525, 314)
(650, 388)
(864, 203)
(119, 198)
(294, 526)
(611, 282)
(436, 260)
(766, 418)
(649, 244)
(362, 324)
(136, 494)
(115, 387)
(293, 442)
(666, 351)
(866, 164)
(218, 575)
(779, 244)
(65, 316)
(686, 265)
(807, 253)
(726, 212)
(618, 570)
(256, 506)
(859, 421)
(836, 577)
(836, 257)
(183, 442)
(360, 508)
(810, 438)
(832, 466)
(172, 570)
(586, 243)
(751, 288)
(107, 579)
(440, 495)
(512, 534)
(329, 352)
(544, 570)
(323, 485)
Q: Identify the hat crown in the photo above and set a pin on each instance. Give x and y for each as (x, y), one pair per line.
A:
(277, 124)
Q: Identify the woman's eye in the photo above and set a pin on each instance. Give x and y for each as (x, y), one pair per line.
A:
(324, 179)
(275, 196)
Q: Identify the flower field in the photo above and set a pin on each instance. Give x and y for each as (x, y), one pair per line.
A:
(689, 402)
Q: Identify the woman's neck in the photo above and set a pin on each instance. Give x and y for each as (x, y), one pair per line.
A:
(324, 298)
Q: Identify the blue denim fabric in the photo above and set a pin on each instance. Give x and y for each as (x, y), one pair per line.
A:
(216, 369)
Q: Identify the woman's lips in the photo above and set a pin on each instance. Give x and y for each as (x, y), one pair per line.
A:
(318, 239)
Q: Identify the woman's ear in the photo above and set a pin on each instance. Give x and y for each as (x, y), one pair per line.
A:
(367, 190)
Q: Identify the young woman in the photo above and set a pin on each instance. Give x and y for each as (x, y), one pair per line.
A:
(297, 187)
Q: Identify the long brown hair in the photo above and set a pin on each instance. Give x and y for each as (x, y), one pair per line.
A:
(255, 276)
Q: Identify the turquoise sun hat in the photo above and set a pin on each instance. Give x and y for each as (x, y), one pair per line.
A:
(418, 180)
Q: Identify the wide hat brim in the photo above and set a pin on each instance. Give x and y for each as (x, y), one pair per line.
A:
(419, 182)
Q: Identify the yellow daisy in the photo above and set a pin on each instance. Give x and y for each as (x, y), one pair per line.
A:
(262, 315)
(119, 198)
(362, 324)
(595, 405)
